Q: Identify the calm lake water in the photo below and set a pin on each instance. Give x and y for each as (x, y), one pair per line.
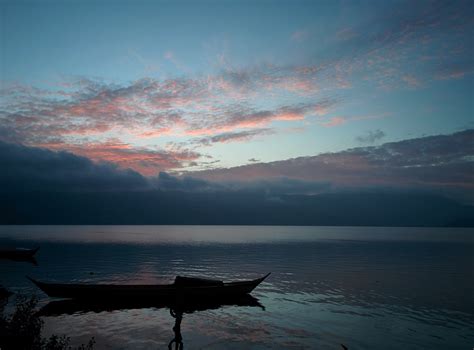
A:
(366, 288)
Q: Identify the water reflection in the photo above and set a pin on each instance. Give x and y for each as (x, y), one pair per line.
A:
(31, 260)
(178, 338)
(177, 308)
(365, 292)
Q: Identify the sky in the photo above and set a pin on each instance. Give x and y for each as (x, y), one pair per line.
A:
(340, 93)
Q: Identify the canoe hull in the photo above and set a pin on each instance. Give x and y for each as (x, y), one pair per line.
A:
(98, 291)
(18, 254)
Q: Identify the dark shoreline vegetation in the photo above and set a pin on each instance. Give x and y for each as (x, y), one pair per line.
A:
(22, 329)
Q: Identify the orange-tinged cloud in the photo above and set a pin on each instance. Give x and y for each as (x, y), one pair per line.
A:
(334, 121)
(146, 161)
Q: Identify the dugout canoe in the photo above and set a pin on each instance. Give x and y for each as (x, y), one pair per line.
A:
(182, 287)
(18, 253)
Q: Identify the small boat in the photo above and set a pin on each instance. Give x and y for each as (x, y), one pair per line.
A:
(18, 253)
(182, 287)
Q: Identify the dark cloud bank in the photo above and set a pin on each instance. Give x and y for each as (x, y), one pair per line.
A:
(38, 186)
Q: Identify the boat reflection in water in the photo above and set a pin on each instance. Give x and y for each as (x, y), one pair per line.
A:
(177, 308)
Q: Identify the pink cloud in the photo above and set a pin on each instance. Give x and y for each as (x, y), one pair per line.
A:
(334, 121)
(146, 161)
(151, 108)
(300, 85)
(339, 120)
(155, 133)
(248, 119)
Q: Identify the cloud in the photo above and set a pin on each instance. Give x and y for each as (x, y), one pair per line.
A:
(150, 108)
(240, 117)
(40, 186)
(392, 44)
(281, 186)
(206, 104)
(340, 120)
(165, 181)
(371, 136)
(346, 34)
(264, 79)
(271, 187)
(454, 70)
(251, 119)
(234, 102)
(89, 113)
(405, 23)
(333, 121)
(442, 162)
(234, 136)
(34, 169)
(411, 81)
(144, 160)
